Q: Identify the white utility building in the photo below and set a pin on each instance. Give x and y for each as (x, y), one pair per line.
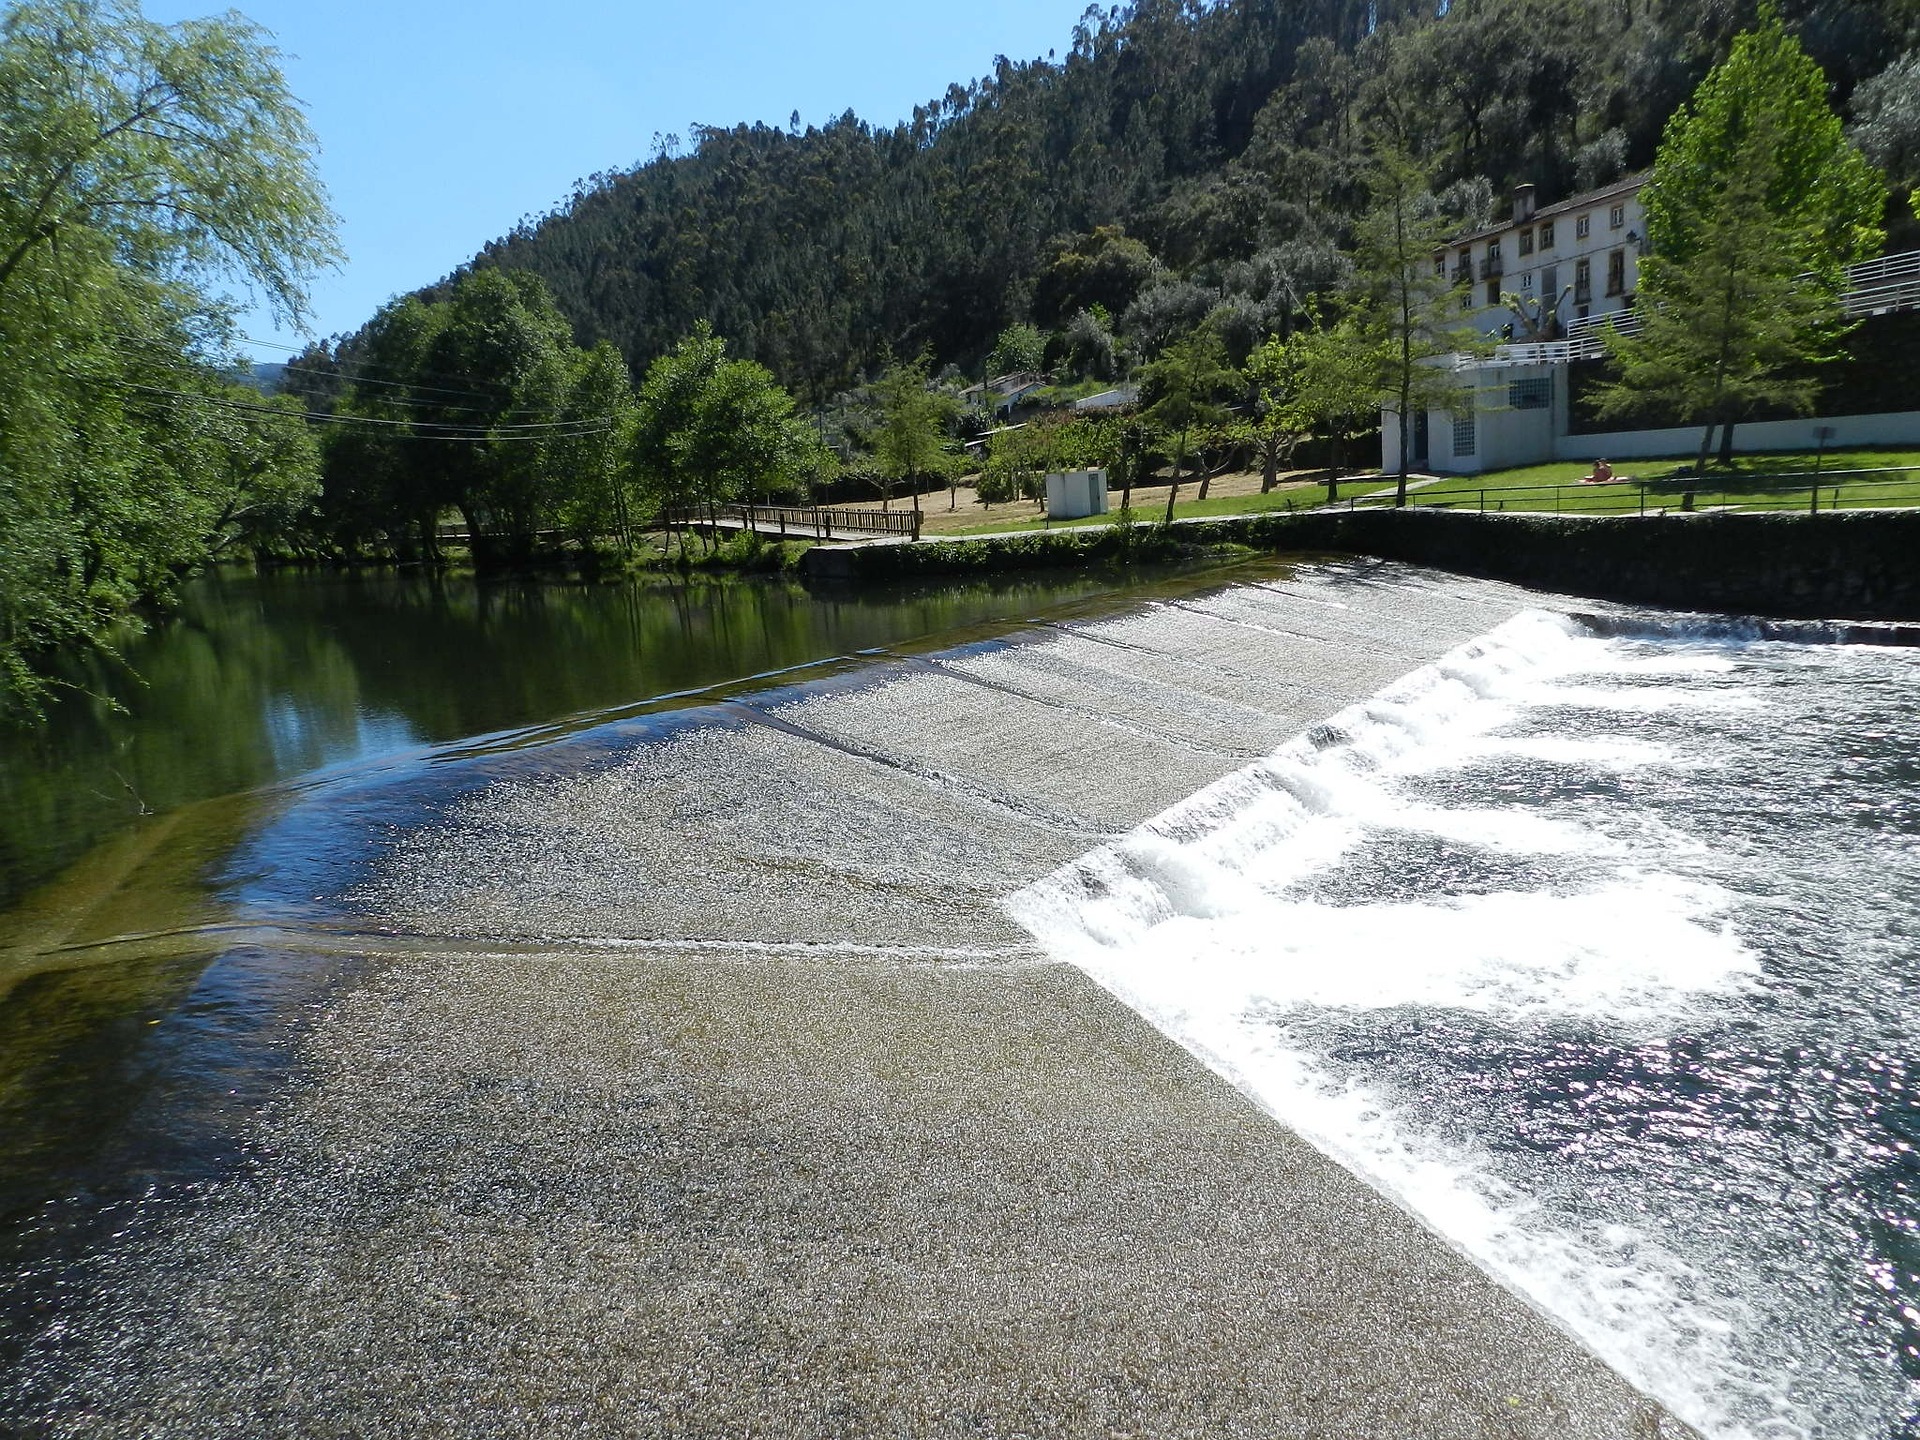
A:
(1075, 494)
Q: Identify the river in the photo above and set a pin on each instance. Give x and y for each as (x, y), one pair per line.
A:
(260, 678)
(671, 1004)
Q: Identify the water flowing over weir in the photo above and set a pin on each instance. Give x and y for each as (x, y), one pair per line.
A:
(1595, 950)
(694, 1073)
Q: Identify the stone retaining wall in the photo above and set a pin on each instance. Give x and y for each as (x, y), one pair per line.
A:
(1844, 565)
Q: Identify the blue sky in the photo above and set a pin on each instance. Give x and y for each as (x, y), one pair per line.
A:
(441, 125)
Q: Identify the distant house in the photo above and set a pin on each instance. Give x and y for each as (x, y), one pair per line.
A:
(1118, 398)
(1578, 260)
(1542, 285)
(1006, 392)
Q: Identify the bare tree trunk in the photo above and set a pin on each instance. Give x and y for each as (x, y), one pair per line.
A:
(1400, 485)
(1173, 490)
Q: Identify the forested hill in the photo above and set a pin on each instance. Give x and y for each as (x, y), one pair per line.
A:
(1214, 133)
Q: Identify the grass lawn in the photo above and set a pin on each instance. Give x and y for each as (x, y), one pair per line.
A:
(1149, 511)
(1768, 481)
(1774, 481)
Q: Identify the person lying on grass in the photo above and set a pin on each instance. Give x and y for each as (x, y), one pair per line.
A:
(1602, 474)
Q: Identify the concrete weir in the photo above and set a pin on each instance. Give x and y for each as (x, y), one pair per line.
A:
(691, 1081)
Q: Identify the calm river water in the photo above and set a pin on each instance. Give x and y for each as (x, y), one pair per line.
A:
(259, 679)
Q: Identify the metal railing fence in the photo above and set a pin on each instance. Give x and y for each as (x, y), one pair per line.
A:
(1881, 487)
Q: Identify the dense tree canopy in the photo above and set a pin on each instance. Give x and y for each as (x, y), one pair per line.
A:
(471, 403)
(710, 430)
(1888, 128)
(1766, 102)
(1172, 142)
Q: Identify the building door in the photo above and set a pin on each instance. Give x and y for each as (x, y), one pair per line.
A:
(1420, 441)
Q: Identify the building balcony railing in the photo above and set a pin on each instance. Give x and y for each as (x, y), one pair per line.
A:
(1583, 336)
(1883, 286)
(1463, 274)
(1492, 268)
(1876, 287)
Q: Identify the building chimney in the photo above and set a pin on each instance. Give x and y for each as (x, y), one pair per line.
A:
(1522, 203)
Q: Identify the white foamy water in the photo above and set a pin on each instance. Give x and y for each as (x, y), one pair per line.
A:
(1490, 852)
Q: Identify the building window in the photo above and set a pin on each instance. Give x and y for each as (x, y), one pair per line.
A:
(1493, 292)
(1466, 436)
(1546, 234)
(1526, 281)
(1525, 246)
(1440, 266)
(1617, 272)
(1550, 284)
(1534, 394)
(1616, 217)
(1582, 282)
(1583, 227)
(1493, 251)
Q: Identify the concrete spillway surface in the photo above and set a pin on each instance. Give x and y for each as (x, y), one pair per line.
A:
(690, 1077)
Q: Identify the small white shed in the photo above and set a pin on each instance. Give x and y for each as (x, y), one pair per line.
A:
(1074, 494)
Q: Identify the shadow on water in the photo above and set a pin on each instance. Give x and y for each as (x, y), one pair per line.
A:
(157, 963)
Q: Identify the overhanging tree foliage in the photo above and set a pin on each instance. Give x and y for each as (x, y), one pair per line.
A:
(178, 145)
(142, 167)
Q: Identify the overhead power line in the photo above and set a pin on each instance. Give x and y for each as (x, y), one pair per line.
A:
(557, 430)
(342, 372)
(409, 382)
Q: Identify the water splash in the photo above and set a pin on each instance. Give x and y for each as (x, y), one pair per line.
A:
(1353, 936)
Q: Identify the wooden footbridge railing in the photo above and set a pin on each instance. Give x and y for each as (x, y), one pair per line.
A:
(803, 521)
